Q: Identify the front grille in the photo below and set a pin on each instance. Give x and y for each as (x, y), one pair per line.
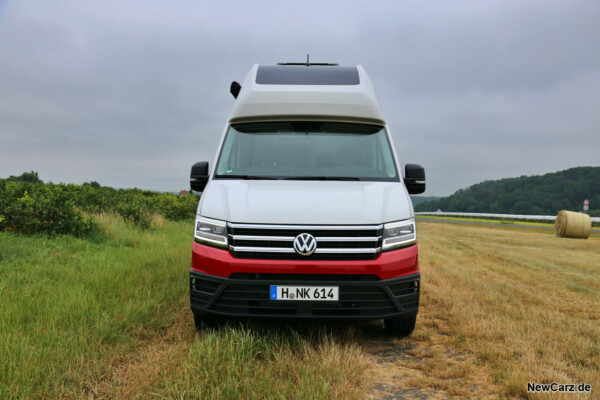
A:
(354, 301)
(275, 242)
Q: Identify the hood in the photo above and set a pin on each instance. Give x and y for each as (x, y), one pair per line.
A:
(305, 202)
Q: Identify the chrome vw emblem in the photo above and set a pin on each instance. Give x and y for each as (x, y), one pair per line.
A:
(305, 244)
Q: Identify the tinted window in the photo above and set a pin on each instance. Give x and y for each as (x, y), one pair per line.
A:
(303, 75)
(307, 149)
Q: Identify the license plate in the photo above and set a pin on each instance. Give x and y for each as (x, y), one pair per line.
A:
(312, 293)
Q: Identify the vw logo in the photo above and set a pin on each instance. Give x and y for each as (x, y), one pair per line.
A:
(305, 244)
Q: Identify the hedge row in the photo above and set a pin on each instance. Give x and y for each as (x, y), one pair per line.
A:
(29, 207)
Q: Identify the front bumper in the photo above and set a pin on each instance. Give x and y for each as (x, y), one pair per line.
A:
(390, 264)
(360, 297)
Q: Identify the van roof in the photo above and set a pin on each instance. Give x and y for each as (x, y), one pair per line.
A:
(307, 92)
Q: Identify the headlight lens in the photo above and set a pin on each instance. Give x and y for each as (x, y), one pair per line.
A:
(211, 231)
(399, 234)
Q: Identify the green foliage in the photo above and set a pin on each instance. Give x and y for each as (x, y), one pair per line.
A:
(35, 207)
(532, 195)
(422, 199)
(31, 177)
(93, 184)
(135, 209)
(177, 208)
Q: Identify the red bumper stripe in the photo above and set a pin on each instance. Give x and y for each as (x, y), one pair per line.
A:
(387, 265)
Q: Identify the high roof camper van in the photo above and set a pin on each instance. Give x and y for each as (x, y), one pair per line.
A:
(305, 213)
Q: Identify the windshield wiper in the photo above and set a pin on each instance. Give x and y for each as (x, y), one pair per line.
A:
(250, 177)
(322, 178)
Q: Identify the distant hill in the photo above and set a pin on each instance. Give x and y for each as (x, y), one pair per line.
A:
(535, 195)
(421, 199)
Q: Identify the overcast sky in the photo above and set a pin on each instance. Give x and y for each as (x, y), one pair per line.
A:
(132, 93)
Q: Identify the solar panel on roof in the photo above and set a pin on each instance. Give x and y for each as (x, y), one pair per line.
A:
(306, 75)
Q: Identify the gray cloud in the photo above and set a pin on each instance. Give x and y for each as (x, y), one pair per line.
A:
(132, 93)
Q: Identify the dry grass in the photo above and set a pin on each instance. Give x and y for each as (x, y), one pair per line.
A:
(240, 362)
(158, 221)
(502, 307)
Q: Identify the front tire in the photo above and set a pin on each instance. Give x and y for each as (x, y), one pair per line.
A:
(400, 326)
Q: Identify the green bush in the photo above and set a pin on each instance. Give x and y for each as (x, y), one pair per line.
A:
(177, 208)
(135, 209)
(34, 207)
(31, 207)
(26, 177)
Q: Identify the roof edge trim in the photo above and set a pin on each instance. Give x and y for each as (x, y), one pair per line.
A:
(333, 118)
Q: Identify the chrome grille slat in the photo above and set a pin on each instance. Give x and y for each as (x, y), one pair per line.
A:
(346, 239)
(265, 238)
(291, 250)
(319, 238)
(263, 249)
(307, 227)
(362, 251)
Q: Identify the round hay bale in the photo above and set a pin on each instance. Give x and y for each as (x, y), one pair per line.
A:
(571, 224)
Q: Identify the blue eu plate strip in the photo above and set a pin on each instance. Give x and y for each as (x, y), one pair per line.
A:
(273, 292)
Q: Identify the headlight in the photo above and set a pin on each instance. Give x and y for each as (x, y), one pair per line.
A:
(399, 234)
(211, 231)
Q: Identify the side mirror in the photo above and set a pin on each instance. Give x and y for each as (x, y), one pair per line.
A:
(414, 178)
(234, 89)
(199, 176)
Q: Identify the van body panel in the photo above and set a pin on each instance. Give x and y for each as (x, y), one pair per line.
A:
(305, 202)
(334, 101)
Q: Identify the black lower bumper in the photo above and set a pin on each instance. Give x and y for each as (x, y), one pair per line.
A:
(249, 296)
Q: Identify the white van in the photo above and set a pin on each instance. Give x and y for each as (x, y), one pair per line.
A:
(306, 213)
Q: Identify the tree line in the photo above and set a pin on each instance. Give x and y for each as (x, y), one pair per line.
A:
(530, 195)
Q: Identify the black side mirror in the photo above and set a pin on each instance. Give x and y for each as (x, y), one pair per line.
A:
(414, 178)
(234, 89)
(199, 176)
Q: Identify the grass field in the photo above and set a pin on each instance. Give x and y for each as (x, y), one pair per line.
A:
(514, 305)
(490, 220)
(108, 317)
(485, 220)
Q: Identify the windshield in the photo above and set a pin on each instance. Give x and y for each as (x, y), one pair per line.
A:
(306, 150)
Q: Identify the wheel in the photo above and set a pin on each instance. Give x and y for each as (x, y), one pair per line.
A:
(400, 326)
(204, 321)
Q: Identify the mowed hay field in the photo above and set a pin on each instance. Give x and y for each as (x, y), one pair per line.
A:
(507, 306)
(108, 318)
